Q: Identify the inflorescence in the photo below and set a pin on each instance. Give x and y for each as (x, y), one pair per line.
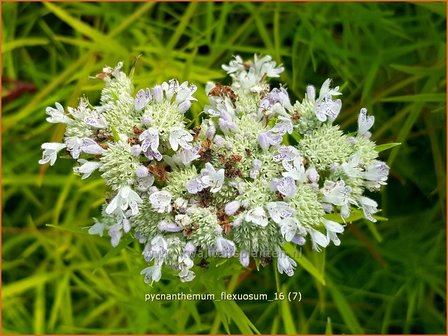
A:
(233, 185)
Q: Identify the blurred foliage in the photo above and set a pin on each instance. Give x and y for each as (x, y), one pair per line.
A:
(386, 277)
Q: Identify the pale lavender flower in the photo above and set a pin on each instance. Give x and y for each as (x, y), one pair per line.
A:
(227, 125)
(244, 258)
(50, 152)
(89, 146)
(376, 172)
(74, 146)
(142, 99)
(219, 141)
(166, 226)
(156, 249)
(135, 150)
(195, 185)
(184, 106)
(232, 207)
(279, 211)
(286, 186)
(149, 139)
(365, 123)
(96, 120)
(153, 273)
(187, 156)
(369, 207)
(86, 168)
(269, 138)
(284, 263)
(256, 166)
(286, 153)
(298, 240)
(141, 171)
(161, 201)
(336, 193)
(153, 154)
(296, 170)
(332, 229)
(57, 115)
(126, 198)
(180, 137)
(226, 248)
(257, 216)
(289, 227)
(115, 234)
(212, 178)
(328, 109)
(157, 93)
(283, 126)
(190, 249)
(97, 229)
(318, 239)
(146, 120)
(312, 175)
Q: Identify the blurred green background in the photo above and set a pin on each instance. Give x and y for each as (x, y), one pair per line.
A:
(387, 277)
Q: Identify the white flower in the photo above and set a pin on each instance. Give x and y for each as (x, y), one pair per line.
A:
(318, 239)
(351, 168)
(50, 153)
(97, 228)
(115, 234)
(257, 216)
(289, 227)
(332, 229)
(225, 247)
(153, 273)
(156, 249)
(286, 186)
(86, 168)
(57, 115)
(369, 207)
(142, 98)
(244, 258)
(167, 226)
(336, 192)
(365, 123)
(326, 107)
(279, 211)
(126, 198)
(185, 264)
(89, 146)
(149, 139)
(284, 263)
(232, 207)
(161, 201)
(377, 173)
(96, 120)
(212, 178)
(74, 146)
(296, 170)
(286, 153)
(180, 137)
(256, 166)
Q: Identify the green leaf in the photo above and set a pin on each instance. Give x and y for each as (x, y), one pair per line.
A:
(304, 262)
(345, 309)
(383, 147)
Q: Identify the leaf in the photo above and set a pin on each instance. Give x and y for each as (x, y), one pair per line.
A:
(104, 41)
(383, 147)
(345, 310)
(304, 262)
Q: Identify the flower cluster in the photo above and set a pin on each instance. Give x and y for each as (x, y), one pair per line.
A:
(259, 171)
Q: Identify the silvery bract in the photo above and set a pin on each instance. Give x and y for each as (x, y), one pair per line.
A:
(259, 172)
